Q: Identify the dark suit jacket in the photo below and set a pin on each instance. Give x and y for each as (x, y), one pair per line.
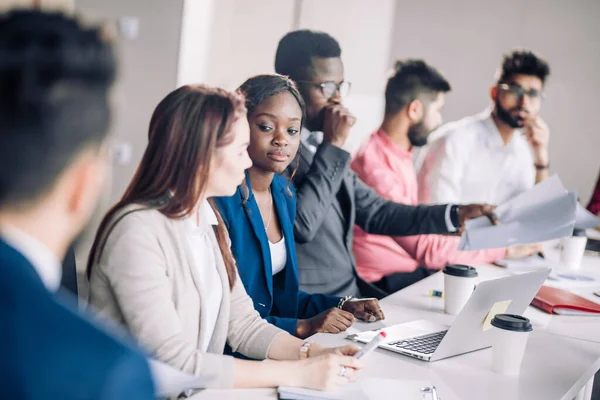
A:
(277, 298)
(330, 200)
(48, 351)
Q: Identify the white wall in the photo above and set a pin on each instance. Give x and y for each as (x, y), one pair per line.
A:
(364, 30)
(466, 39)
(245, 34)
(148, 66)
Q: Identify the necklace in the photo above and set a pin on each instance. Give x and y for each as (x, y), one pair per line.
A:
(270, 211)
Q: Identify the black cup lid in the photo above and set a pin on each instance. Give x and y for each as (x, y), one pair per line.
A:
(460, 270)
(512, 322)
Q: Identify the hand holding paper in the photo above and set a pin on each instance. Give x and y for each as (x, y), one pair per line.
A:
(545, 212)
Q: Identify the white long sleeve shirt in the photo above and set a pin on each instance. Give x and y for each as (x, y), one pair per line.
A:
(471, 164)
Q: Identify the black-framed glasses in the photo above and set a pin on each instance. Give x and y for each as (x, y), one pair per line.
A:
(518, 92)
(329, 88)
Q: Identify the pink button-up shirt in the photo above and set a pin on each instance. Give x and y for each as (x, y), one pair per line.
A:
(388, 169)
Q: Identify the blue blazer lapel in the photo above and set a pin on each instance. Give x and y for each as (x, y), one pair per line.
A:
(253, 214)
(287, 227)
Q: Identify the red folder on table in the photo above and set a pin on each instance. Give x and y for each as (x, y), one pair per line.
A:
(558, 301)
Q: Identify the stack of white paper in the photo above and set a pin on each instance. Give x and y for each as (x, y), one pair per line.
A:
(169, 381)
(545, 212)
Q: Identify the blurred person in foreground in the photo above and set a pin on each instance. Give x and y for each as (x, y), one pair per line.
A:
(55, 77)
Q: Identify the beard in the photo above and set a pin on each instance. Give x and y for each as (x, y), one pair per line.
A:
(418, 134)
(509, 119)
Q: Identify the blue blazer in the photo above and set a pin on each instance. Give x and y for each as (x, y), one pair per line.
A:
(49, 351)
(278, 298)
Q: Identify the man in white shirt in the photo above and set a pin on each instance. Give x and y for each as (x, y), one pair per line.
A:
(493, 156)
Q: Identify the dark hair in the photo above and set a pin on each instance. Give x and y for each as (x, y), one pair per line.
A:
(55, 77)
(296, 50)
(523, 62)
(412, 79)
(259, 88)
(186, 128)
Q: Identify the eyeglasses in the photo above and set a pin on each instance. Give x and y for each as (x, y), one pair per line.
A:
(518, 92)
(329, 88)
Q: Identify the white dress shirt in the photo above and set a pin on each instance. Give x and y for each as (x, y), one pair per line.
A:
(313, 139)
(204, 257)
(45, 262)
(278, 255)
(471, 164)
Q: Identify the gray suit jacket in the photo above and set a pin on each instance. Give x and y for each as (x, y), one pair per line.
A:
(331, 199)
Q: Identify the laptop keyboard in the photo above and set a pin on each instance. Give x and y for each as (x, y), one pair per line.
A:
(425, 344)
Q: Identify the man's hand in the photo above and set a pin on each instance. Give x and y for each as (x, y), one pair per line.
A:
(336, 124)
(333, 320)
(472, 211)
(524, 250)
(367, 310)
(538, 135)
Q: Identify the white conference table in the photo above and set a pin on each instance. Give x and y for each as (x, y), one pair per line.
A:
(561, 358)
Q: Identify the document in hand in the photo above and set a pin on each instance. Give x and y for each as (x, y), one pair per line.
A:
(585, 219)
(546, 211)
(169, 381)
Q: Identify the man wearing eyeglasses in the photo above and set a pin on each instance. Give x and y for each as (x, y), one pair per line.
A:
(495, 155)
(330, 197)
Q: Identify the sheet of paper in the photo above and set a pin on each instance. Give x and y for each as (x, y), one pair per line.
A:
(585, 219)
(543, 192)
(169, 381)
(542, 219)
(498, 308)
(366, 389)
(296, 393)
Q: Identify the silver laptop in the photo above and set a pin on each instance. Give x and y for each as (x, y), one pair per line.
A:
(431, 341)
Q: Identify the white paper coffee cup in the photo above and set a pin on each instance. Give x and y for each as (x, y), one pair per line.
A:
(459, 282)
(509, 339)
(573, 248)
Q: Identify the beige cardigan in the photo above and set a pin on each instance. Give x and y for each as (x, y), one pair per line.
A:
(146, 280)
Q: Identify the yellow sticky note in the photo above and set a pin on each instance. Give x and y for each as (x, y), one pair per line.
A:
(498, 308)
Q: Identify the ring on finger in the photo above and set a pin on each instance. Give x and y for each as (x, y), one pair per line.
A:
(342, 371)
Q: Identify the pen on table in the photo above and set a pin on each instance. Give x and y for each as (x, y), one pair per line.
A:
(372, 345)
(436, 293)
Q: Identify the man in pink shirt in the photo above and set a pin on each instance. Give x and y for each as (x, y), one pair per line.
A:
(414, 98)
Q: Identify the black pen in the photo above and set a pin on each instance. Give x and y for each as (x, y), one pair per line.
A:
(539, 253)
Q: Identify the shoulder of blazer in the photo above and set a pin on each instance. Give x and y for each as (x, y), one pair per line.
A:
(228, 206)
(286, 190)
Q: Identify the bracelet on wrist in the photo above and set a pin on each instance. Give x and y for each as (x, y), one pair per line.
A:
(304, 349)
(344, 300)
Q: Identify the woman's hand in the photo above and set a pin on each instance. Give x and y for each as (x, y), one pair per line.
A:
(524, 250)
(327, 371)
(347, 350)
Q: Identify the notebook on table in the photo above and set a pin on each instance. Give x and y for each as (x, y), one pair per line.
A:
(561, 302)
